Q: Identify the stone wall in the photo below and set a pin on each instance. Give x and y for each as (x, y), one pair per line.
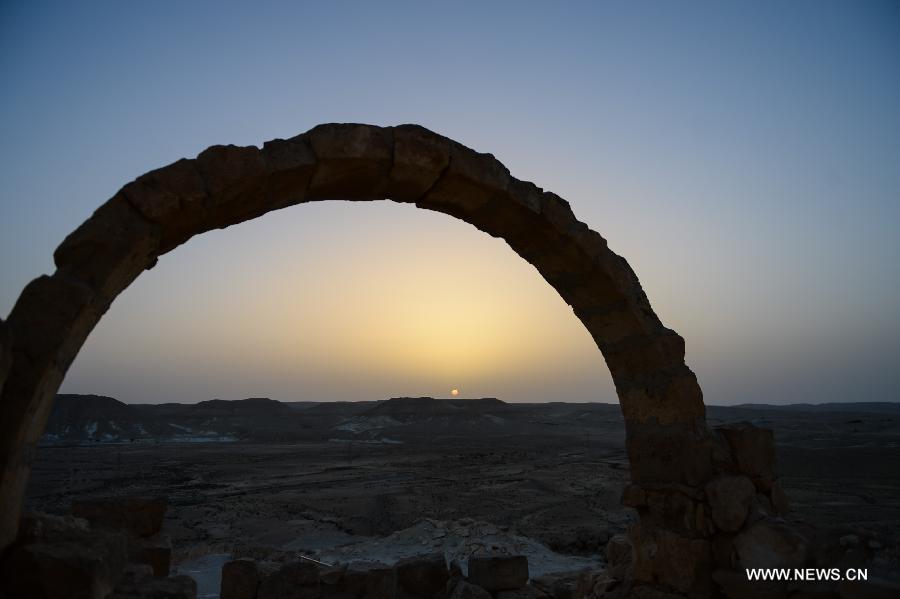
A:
(115, 551)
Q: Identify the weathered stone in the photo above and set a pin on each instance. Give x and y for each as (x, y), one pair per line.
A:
(50, 321)
(155, 552)
(291, 164)
(730, 498)
(175, 587)
(110, 249)
(753, 449)
(37, 527)
(724, 556)
(499, 573)
(663, 557)
(5, 353)
(354, 161)
(174, 197)
(134, 576)
(558, 212)
(645, 355)
(634, 496)
(344, 584)
(561, 585)
(760, 508)
(674, 399)
(240, 580)
(420, 158)
(671, 510)
(294, 580)
(528, 195)
(381, 583)
(771, 543)
(467, 184)
(236, 179)
(648, 592)
(48, 324)
(139, 516)
(670, 453)
(59, 560)
(466, 590)
(528, 592)
(779, 498)
(421, 576)
(736, 585)
(619, 556)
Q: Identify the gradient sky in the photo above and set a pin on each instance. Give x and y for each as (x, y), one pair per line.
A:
(744, 157)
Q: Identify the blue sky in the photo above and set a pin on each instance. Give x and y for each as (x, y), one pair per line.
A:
(744, 157)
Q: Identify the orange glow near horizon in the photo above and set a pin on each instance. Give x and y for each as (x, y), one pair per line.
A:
(360, 309)
(454, 392)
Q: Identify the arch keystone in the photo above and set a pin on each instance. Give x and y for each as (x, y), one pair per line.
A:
(354, 161)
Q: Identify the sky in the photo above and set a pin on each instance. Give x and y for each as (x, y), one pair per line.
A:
(744, 157)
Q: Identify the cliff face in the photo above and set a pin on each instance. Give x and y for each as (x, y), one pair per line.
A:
(96, 418)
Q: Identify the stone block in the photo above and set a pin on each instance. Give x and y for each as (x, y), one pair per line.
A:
(174, 587)
(752, 448)
(619, 556)
(60, 561)
(729, 500)
(294, 580)
(421, 576)
(499, 573)
(466, 590)
(138, 516)
(240, 580)
(354, 161)
(771, 543)
(174, 197)
(470, 181)
(420, 157)
(155, 551)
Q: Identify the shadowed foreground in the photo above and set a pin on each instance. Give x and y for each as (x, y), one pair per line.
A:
(357, 490)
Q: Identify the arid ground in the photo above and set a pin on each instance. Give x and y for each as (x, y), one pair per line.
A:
(383, 480)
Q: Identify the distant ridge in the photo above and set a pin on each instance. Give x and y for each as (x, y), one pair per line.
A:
(251, 405)
(89, 419)
(430, 406)
(98, 418)
(876, 407)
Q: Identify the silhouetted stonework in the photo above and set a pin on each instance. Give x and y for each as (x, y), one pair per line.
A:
(692, 486)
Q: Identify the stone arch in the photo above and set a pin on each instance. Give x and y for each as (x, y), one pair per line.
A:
(668, 442)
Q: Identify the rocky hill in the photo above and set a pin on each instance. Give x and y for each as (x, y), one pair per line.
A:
(96, 418)
(83, 419)
(93, 419)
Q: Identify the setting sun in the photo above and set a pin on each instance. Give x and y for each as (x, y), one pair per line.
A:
(454, 392)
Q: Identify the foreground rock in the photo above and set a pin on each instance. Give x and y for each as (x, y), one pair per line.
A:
(465, 590)
(139, 516)
(57, 557)
(499, 573)
(60, 557)
(240, 580)
(298, 579)
(176, 587)
(422, 576)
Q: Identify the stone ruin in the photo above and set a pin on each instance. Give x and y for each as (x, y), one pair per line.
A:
(109, 549)
(708, 500)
